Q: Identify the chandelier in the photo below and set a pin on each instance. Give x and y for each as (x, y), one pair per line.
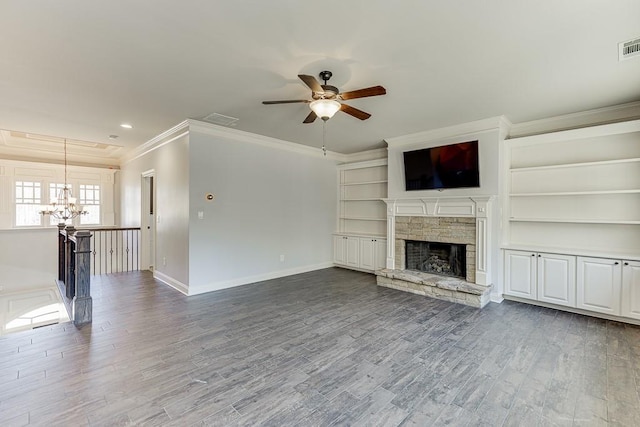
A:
(64, 207)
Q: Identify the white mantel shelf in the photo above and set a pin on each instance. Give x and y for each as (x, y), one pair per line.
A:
(477, 207)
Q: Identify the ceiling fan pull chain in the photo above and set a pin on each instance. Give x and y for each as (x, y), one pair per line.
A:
(324, 133)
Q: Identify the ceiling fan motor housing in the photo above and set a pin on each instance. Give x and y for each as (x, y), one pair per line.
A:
(330, 92)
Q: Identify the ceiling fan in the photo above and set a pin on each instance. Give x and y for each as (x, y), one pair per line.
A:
(326, 99)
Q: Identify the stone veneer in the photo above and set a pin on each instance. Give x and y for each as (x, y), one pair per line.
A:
(437, 229)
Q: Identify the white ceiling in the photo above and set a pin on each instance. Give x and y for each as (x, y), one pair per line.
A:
(78, 68)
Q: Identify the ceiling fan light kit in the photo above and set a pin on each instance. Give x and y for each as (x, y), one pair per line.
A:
(325, 108)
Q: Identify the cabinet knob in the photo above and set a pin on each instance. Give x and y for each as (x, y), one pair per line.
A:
(539, 255)
(626, 263)
(616, 263)
(533, 254)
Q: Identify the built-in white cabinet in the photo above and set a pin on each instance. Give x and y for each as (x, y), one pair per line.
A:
(599, 285)
(373, 253)
(346, 250)
(557, 279)
(360, 240)
(360, 252)
(520, 274)
(540, 276)
(631, 289)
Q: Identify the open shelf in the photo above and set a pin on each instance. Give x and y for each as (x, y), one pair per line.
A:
(575, 165)
(364, 183)
(359, 218)
(362, 190)
(575, 193)
(575, 221)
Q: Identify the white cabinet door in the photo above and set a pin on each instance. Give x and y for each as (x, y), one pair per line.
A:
(557, 279)
(520, 274)
(381, 254)
(340, 250)
(599, 285)
(631, 289)
(367, 253)
(352, 252)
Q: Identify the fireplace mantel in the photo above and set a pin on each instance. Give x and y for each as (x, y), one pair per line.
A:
(478, 207)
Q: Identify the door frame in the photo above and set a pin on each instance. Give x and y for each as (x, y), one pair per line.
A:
(148, 213)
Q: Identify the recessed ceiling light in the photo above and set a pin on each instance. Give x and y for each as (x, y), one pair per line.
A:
(126, 126)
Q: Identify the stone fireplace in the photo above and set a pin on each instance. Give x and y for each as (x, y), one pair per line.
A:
(447, 259)
(431, 228)
(459, 231)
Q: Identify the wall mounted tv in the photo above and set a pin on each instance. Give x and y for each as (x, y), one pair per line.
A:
(447, 166)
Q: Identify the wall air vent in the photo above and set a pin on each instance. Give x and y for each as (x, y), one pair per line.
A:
(629, 49)
(219, 119)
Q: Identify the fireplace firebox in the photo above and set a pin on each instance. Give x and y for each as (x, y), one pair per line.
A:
(447, 259)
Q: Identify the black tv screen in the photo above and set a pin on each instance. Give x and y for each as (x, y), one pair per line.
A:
(447, 166)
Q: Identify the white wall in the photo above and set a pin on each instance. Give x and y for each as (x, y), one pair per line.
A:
(268, 202)
(170, 162)
(28, 259)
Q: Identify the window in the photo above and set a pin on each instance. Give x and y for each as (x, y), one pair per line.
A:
(28, 203)
(90, 201)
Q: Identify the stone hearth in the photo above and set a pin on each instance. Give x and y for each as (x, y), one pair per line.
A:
(435, 286)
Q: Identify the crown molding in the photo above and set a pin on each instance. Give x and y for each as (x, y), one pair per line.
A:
(158, 141)
(500, 123)
(266, 141)
(579, 133)
(598, 116)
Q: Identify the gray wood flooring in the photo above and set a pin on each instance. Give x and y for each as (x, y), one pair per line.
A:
(317, 349)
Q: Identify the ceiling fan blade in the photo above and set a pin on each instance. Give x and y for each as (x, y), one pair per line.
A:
(286, 101)
(363, 93)
(311, 82)
(310, 118)
(358, 114)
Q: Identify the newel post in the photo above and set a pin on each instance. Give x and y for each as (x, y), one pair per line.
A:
(61, 251)
(82, 303)
(70, 260)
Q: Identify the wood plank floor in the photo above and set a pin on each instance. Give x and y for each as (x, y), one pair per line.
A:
(317, 349)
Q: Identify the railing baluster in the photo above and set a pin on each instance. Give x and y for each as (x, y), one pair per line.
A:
(111, 250)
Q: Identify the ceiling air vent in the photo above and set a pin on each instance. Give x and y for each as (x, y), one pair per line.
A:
(629, 49)
(219, 119)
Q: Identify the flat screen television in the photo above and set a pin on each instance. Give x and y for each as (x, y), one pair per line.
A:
(447, 166)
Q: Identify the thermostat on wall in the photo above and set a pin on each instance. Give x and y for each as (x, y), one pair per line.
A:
(209, 197)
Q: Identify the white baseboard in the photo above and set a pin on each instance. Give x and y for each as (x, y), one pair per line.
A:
(497, 298)
(168, 280)
(215, 286)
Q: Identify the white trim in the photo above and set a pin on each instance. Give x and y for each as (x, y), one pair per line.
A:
(365, 164)
(472, 128)
(616, 113)
(584, 132)
(497, 298)
(360, 156)
(170, 281)
(146, 149)
(238, 135)
(573, 310)
(240, 281)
